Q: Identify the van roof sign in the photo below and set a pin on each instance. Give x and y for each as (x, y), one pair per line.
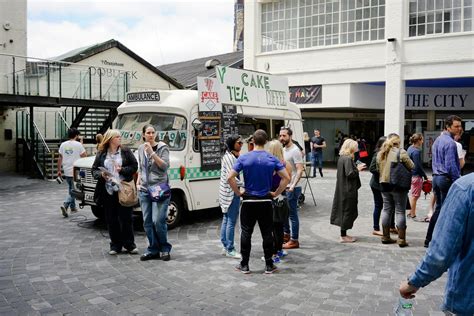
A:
(143, 96)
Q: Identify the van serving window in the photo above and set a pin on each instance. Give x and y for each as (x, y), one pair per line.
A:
(143, 96)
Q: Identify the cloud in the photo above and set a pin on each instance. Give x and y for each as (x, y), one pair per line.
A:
(159, 31)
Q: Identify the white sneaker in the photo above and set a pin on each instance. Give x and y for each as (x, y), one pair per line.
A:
(223, 251)
(134, 251)
(113, 252)
(233, 254)
(64, 211)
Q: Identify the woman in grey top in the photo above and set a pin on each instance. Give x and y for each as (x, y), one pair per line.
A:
(153, 158)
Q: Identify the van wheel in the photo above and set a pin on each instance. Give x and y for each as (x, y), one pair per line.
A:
(175, 211)
(98, 211)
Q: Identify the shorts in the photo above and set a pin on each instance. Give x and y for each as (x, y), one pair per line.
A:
(416, 186)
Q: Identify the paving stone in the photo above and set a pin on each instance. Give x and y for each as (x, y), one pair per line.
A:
(56, 266)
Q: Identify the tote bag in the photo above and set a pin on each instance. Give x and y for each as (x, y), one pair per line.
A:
(128, 193)
(400, 176)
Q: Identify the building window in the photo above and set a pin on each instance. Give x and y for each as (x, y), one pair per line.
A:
(295, 24)
(429, 17)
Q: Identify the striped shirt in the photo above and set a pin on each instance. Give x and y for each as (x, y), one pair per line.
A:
(225, 191)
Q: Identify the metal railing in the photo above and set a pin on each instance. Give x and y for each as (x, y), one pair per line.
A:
(22, 75)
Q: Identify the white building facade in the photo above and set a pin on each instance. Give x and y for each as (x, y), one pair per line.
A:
(367, 67)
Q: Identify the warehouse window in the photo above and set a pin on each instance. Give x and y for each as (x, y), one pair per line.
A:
(428, 17)
(293, 24)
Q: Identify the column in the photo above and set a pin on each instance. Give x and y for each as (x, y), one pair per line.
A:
(394, 83)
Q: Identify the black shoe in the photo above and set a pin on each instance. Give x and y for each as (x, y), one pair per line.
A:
(149, 256)
(165, 256)
(270, 268)
(243, 268)
(427, 244)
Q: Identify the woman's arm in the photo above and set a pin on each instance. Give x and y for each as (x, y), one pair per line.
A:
(130, 166)
(96, 173)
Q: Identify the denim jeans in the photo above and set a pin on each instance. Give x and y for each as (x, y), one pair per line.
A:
(119, 223)
(378, 205)
(154, 223)
(317, 157)
(394, 201)
(293, 218)
(441, 185)
(70, 200)
(228, 224)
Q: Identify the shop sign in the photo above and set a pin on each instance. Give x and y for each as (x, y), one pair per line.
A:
(243, 87)
(306, 94)
(209, 95)
(445, 102)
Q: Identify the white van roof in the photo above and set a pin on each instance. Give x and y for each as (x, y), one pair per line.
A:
(185, 101)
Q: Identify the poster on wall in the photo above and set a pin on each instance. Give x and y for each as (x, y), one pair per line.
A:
(428, 140)
(208, 92)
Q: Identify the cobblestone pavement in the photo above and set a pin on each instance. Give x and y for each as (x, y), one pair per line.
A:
(52, 265)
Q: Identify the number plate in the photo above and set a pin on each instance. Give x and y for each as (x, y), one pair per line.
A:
(89, 197)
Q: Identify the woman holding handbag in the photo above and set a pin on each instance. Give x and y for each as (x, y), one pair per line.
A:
(112, 164)
(155, 194)
(394, 195)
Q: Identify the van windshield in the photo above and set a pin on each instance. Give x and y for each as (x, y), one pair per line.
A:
(169, 128)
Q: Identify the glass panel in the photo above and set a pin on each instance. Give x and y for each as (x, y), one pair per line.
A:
(467, 13)
(467, 25)
(430, 28)
(421, 30)
(412, 31)
(447, 27)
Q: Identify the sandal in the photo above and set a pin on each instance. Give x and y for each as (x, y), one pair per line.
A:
(412, 217)
(347, 239)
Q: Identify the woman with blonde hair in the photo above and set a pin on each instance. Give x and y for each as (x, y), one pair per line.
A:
(280, 214)
(344, 207)
(394, 197)
(112, 164)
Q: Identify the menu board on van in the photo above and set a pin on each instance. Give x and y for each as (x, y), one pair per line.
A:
(229, 121)
(210, 154)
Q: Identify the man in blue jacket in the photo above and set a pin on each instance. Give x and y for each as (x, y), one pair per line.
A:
(452, 248)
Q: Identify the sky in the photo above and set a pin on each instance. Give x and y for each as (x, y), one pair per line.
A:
(160, 31)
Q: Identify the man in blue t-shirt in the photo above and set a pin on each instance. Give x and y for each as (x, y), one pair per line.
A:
(258, 167)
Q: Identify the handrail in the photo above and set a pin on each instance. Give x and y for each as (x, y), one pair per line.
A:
(41, 136)
(63, 119)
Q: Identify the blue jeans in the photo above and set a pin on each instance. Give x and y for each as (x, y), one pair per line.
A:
(317, 159)
(378, 205)
(154, 223)
(293, 218)
(228, 224)
(394, 201)
(441, 185)
(70, 200)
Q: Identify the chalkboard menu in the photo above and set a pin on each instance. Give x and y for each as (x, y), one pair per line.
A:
(210, 154)
(229, 121)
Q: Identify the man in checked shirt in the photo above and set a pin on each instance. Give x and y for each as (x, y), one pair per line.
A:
(445, 165)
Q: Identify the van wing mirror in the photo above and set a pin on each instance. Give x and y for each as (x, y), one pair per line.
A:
(197, 124)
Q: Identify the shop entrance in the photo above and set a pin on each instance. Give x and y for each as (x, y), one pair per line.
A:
(369, 130)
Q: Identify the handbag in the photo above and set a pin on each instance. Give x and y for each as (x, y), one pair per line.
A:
(127, 194)
(400, 176)
(427, 187)
(159, 192)
(280, 209)
(364, 153)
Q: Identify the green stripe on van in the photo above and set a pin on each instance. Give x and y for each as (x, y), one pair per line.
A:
(193, 173)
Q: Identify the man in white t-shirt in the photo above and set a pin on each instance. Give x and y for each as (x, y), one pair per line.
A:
(293, 191)
(69, 152)
(461, 152)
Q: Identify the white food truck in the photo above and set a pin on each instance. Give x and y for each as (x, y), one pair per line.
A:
(178, 120)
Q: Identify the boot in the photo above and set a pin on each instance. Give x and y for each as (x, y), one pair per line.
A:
(386, 236)
(402, 237)
(321, 172)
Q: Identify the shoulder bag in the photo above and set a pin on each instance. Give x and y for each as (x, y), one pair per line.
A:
(127, 194)
(158, 192)
(400, 176)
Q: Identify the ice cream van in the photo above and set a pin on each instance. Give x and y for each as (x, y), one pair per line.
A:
(177, 121)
